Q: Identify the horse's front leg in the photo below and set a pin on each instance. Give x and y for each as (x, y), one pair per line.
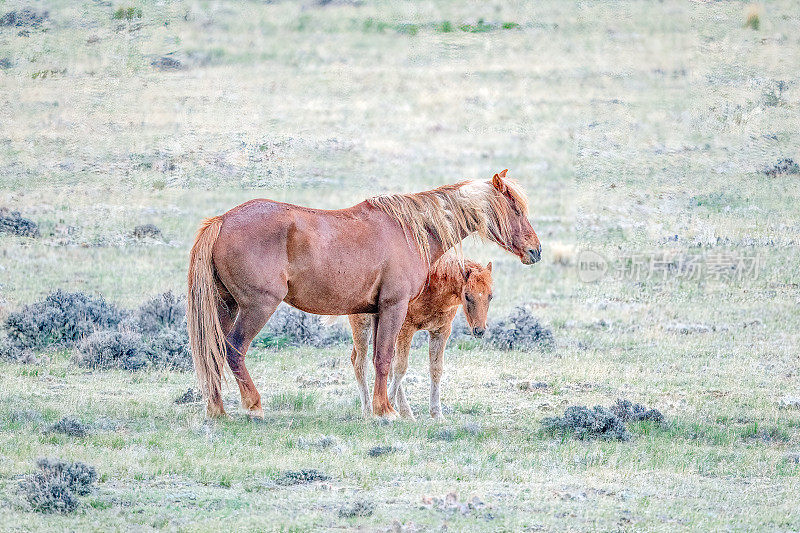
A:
(389, 321)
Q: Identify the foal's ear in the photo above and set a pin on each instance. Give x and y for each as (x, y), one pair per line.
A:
(489, 266)
(497, 182)
(503, 173)
(465, 272)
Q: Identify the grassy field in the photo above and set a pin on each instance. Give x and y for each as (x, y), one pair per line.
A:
(644, 134)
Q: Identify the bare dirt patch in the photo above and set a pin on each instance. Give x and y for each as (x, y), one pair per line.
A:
(450, 504)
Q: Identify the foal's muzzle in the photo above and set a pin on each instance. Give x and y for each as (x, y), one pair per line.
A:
(478, 332)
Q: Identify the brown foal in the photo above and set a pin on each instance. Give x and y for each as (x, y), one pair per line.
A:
(451, 284)
(372, 258)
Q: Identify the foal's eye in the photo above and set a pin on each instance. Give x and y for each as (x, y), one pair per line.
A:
(490, 297)
(468, 298)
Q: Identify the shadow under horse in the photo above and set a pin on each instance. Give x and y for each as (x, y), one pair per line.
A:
(373, 257)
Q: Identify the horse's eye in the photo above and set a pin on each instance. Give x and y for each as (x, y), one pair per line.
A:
(490, 297)
(468, 298)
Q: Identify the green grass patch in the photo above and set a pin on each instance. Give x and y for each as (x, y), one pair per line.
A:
(294, 401)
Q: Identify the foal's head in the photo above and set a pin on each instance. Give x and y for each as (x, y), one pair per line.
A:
(519, 238)
(476, 295)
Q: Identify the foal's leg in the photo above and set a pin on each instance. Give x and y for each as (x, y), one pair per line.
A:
(360, 325)
(390, 320)
(399, 367)
(436, 345)
(249, 322)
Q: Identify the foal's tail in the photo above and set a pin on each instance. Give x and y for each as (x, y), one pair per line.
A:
(206, 337)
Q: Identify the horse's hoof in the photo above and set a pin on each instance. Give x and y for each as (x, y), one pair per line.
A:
(216, 414)
(389, 416)
(256, 414)
(407, 414)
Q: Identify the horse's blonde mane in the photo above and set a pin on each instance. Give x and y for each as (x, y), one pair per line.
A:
(451, 212)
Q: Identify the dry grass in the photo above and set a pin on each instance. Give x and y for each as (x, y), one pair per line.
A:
(638, 130)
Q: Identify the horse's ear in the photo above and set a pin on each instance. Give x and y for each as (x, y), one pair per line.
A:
(497, 182)
(503, 173)
(489, 266)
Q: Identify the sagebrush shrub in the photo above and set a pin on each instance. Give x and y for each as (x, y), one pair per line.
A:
(290, 326)
(55, 486)
(14, 223)
(170, 349)
(583, 423)
(519, 331)
(24, 17)
(147, 230)
(599, 422)
(63, 318)
(69, 426)
(113, 349)
(165, 311)
(297, 477)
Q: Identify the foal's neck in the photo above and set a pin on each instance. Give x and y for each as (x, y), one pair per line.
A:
(449, 277)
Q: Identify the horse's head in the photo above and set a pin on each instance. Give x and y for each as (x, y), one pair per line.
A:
(475, 296)
(521, 240)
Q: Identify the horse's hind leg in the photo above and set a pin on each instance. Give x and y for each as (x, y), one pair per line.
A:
(360, 325)
(227, 311)
(248, 323)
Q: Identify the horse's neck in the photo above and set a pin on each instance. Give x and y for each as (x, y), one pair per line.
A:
(436, 248)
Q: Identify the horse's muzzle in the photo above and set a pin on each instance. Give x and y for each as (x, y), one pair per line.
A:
(534, 255)
(478, 332)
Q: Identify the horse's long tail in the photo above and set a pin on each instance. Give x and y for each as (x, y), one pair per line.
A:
(206, 337)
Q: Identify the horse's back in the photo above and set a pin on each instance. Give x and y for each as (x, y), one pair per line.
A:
(320, 261)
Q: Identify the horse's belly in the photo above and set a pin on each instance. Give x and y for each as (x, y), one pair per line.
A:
(329, 294)
(340, 266)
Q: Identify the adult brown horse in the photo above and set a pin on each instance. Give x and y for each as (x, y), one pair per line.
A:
(373, 257)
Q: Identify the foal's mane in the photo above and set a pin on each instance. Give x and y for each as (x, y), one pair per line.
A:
(452, 268)
(451, 212)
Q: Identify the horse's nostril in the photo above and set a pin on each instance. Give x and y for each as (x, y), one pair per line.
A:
(535, 254)
(478, 332)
